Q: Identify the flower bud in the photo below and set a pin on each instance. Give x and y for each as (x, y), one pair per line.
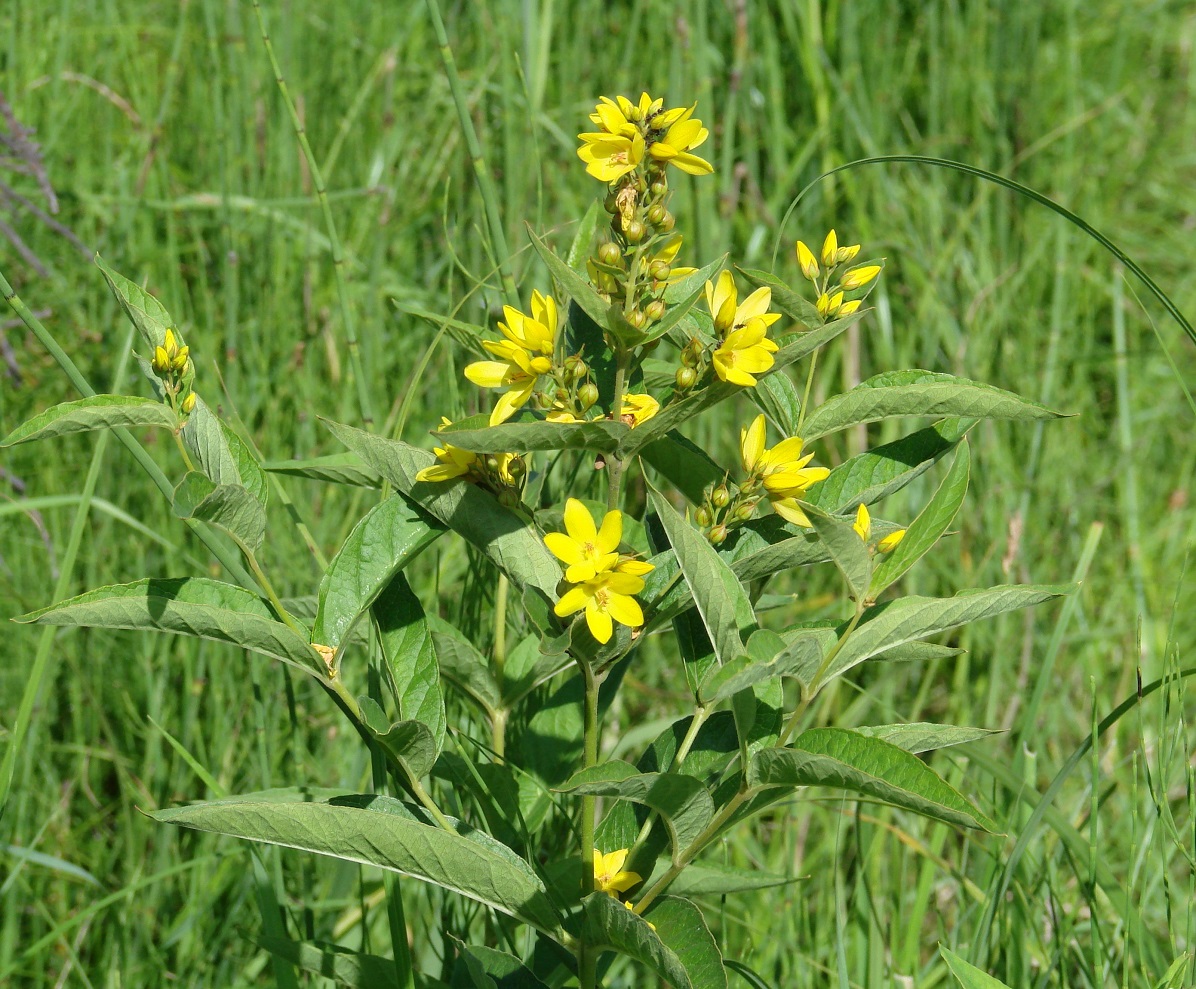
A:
(659, 271)
(609, 253)
(860, 277)
(745, 511)
(889, 543)
(654, 310)
(806, 261)
(575, 367)
(703, 517)
(188, 405)
(845, 254)
(667, 222)
(179, 362)
(560, 395)
(718, 535)
(161, 361)
(849, 307)
(686, 377)
(659, 188)
(656, 214)
(509, 498)
(171, 344)
(634, 231)
(830, 249)
(611, 203)
(720, 496)
(637, 318)
(587, 394)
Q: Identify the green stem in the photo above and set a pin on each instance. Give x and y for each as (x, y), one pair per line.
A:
(808, 695)
(272, 595)
(338, 254)
(805, 399)
(178, 440)
(614, 465)
(499, 656)
(587, 956)
(695, 725)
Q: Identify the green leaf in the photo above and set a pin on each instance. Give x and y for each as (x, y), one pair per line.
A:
(908, 618)
(576, 286)
(602, 435)
(219, 453)
(331, 961)
(583, 240)
(390, 536)
(847, 760)
(918, 393)
(928, 527)
(721, 600)
(583, 336)
(227, 506)
(378, 831)
(847, 550)
(336, 468)
(514, 547)
(253, 475)
(967, 974)
(606, 923)
(96, 412)
(777, 397)
(686, 465)
(410, 655)
(919, 652)
(680, 799)
(681, 297)
(412, 742)
(784, 299)
(770, 656)
(683, 288)
(925, 737)
(209, 609)
(146, 313)
(489, 968)
(715, 879)
(463, 666)
(876, 474)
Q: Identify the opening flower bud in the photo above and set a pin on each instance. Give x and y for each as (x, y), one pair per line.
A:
(637, 318)
(179, 363)
(160, 361)
(830, 249)
(188, 405)
(806, 261)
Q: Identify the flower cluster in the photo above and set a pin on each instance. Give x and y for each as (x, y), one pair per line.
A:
(500, 472)
(863, 528)
(172, 364)
(830, 300)
(629, 131)
(603, 580)
(524, 354)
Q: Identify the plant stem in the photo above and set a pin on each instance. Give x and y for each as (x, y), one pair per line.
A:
(338, 254)
(808, 695)
(499, 655)
(614, 465)
(695, 725)
(805, 399)
(587, 956)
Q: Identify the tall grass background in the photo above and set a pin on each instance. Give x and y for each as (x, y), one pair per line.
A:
(172, 154)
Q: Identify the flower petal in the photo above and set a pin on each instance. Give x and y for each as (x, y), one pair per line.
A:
(572, 601)
(601, 627)
(578, 522)
(625, 610)
(563, 548)
(611, 533)
(751, 443)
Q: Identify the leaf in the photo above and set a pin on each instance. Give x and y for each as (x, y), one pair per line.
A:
(925, 737)
(331, 961)
(908, 618)
(583, 336)
(777, 396)
(379, 831)
(715, 879)
(686, 465)
(489, 968)
(407, 646)
(871, 476)
(602, 435)
(681, 926)
(144, 311)
(462, 665)
(514, 547)
(227, 506)
(390, 536)
(928, 527)
(919, 652)
(583, 240)
(411, 742)
(209, 609)
(784, 299)
(606, 923)
(337, 468)
(847, 760)
(222, 459)
(681, 297)
(847, 550)
(576, 286)
(918, 393)
(967, 974)
(680, 799)
(96, 412)
(799, 657)
(696, 281)
(720, 598)
(253, 475)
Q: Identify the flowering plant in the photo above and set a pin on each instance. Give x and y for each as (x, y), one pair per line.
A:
(605, 532)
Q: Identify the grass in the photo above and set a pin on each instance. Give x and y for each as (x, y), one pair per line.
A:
(173, 156)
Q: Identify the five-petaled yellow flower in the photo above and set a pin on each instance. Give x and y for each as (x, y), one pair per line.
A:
(684, 133)
(606, 598)
(782, 470)
(744, 353)
(584, 548)
(525, 353)
(453, 461)
(609, 876)
(639, 408)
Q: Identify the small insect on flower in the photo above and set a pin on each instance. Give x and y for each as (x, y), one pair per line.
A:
(639, 409)
(609, 876)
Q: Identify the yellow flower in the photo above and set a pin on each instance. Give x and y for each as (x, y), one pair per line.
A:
(640, 408)
(744, 353)
(830, 249)
(889, 543)
(782, 470)
(806, 261)
(849, 307)
(525, 353)
(454, 462)
(729, 313)
(830, 305)
(610, 156)
(609, 876)
(558, 413)
(683, 135)
(583, 547)
(606, 598)
(859, 277)
(863, 523)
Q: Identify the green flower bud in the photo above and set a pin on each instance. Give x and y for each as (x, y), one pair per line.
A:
(660, 271)
(667, 222)
(686, 377)
(654, 310)
(720, 497)
(659, 188)
(637, 318)
(509, 498)
(587, 394)
(703, 517)
(575, 367)
(561, 395)
(609, 253)
(745, 511)
(611, 203)
(718, 534)
(656, 214)
(634, 231)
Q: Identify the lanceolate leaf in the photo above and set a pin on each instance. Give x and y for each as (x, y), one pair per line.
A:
(331, 961)
(602, 435)
(390, 536)
(96, 412)
(777, 396)
(784, 299)
(228, 506)
(714, 879)
(967, 974)
(919, 393)
(209, 609)
(146, 313)
(576, 286)
(583, 239)
(847, 760)
(871, 476)
(928, 527)
(337, 468)
(681, 926)
(680, 799)
(847, 549)
(798, 657)
(411, 658)
(378, 831)
(606, 923)
(925, 737)
(508, 540)
(905, 619)
(463, 666)
(219, 453)
(686, 465)
(489, 968)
